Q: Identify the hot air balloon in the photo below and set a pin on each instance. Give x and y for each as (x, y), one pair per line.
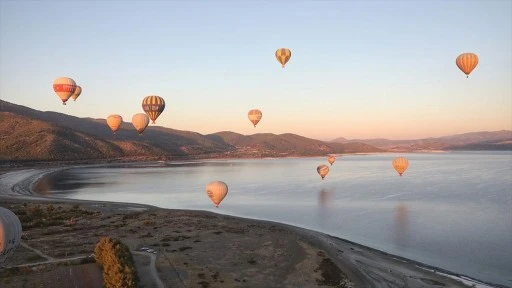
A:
(331, 159)
(10, 233)
(140, 121)
(283, 55)
(254, 116)
(400, 164)
(114, 121)
(153, 106)
(217, 191)
(64, 87)
(322, 170)
(77, 92)
(467, 62)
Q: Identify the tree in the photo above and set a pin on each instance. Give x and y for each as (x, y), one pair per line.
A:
(117, 263)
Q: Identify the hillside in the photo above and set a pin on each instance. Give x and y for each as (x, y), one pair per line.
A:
(272, 145)
(29, 134)
(495, 140)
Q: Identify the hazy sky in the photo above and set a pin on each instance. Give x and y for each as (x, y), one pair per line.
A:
(359, 69)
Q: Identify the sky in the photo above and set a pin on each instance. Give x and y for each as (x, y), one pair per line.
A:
(359, 69)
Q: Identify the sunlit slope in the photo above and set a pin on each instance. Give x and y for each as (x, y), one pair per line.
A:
(24, 138)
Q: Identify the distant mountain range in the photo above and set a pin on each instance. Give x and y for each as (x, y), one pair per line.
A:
(27, 134)
(497, 140)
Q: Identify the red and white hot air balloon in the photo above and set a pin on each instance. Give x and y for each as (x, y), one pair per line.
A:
(64, 87)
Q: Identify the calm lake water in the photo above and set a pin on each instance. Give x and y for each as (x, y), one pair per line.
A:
(450, 210)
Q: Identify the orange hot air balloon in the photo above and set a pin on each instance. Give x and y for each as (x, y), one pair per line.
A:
(77, 92)
(254, 116)
(114, 121)
(283, 55)
(217, 191)
(467, 62)
(64, 87)
(331, 159)
(153, 106)
(322, 170)
(400, 164)
(140, 121)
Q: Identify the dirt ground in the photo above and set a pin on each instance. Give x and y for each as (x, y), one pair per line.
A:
(192, 249)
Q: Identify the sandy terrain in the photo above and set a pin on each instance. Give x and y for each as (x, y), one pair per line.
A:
(193, 248)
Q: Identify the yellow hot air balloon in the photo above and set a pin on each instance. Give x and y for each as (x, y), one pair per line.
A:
(77, 92)
(331, 159)
(254, 116)
(114, 121)
(283, 55)
(140, 121)
(322, 170)
(467, 62)
(400, 164)
(153, 106)
(10, 233)
(217, 191)
(64, 87)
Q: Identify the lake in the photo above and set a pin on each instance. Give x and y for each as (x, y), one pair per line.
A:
(449, 210)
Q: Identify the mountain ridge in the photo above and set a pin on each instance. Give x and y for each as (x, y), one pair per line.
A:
(53, 136)
(481, 140)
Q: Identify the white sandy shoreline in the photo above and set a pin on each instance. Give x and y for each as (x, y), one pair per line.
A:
(372, 267)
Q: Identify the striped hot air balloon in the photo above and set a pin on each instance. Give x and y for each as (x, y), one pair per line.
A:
(322, 170)
(254, 116)
(140, 121)
(217, 191)
(64, 87)
(331, 159)
(283, 55)
(467, 62)
(77, 92)
(153, 106)
(114, 121)
(10, 233)
(400, 164)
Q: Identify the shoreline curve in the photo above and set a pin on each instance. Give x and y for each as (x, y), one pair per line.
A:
(364, 266)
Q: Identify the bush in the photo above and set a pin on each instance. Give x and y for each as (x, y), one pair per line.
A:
(117, 263)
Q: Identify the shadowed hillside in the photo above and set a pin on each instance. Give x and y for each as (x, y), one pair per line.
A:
(29, 134)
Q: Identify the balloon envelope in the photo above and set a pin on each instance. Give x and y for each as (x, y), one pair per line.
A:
(77, 92)
(467, 62)
(153, 106)
(64, 87)
(254, 116)
(283, 55)
(400, 164)
(217, 191)
(10, 233)
(322, 170)
(331, 159)
(140, 121)
(114, 121)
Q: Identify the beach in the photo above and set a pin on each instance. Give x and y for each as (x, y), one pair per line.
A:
(191, 248)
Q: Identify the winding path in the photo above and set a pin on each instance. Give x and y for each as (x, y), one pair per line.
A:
(152, 267)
